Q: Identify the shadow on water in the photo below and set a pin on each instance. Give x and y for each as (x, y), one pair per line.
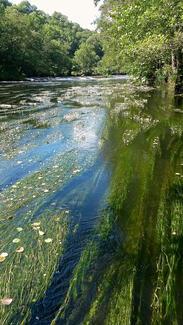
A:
(139, 280)
(85, 217)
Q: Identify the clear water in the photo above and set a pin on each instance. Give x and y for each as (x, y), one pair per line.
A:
(91, 175)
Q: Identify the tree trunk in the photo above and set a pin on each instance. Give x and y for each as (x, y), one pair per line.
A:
(174, 63)
(179, 79)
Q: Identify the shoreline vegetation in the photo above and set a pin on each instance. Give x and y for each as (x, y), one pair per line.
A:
(144, 40)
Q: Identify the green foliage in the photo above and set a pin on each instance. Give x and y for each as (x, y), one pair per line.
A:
(26, 8)
(88, 56)
(4, 3)
(144, 36)
(33, 43)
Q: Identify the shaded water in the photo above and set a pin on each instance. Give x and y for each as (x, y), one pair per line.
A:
(91, 176)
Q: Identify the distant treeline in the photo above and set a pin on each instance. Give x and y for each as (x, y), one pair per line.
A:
(33, 43)
(140, 38)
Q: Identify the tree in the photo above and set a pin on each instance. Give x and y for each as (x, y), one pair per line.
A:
(143, 36)
(88, 56)
(4, 4)
(25, 7)
(33, 43)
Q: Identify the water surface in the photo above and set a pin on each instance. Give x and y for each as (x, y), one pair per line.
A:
(91, 174)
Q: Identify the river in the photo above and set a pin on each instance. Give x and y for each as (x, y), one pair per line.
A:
(91, 203)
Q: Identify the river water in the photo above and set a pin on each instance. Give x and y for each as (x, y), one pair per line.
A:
(91, 203)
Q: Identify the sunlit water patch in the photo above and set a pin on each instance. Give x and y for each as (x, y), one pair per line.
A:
(53, 182)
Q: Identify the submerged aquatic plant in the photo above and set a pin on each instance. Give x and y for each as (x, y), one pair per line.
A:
(128, 268)
(139, 280)
(36, 261)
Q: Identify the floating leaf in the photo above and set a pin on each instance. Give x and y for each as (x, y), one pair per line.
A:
(6, 301)
(3, 257)
(41, 233)
(36, 224)
(20, 250)
(36, 228)
(16, 240)
(19, 229)
(76, 171)
(48, 240)
(4, 254)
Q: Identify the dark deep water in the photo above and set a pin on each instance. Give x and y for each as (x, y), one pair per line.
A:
(91, 203)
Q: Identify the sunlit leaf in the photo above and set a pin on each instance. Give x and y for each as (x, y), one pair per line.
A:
(41, 233)
(48, 240)
(6, 301)
(36, 228)
(76, 171)
(20, 250)
(4, 254)
(19, 229)
(16, 240)
(3, 257)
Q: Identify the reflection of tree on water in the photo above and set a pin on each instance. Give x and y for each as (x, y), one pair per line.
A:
(155, 296)
(141, 283)
(149, 247)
